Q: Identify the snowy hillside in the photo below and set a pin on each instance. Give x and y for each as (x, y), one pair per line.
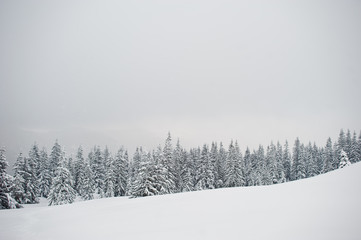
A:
(324, 207)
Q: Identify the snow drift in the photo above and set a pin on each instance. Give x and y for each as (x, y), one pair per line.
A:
(323, 207)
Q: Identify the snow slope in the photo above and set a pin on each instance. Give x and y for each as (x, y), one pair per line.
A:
(323, 207)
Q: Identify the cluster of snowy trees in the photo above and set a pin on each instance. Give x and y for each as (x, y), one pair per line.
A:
(166, 170)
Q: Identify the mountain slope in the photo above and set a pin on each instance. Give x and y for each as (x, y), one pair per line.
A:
(323, 207)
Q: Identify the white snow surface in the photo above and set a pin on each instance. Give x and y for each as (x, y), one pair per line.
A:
(324, 207)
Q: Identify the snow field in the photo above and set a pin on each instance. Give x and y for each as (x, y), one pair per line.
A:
(322, 207)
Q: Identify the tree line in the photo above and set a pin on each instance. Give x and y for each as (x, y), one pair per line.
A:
(167, 169)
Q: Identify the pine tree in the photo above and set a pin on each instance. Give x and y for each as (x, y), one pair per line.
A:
(354, 154)
(134, 168)
(186, 172)
(176, 167)
(344, 162)
(34, 172)
(234, 176)
(205, 178)
(79, 171)
(25, 185)
(287, 165)
(257, 159)
(19, 181)
(348, 142)
(221, 166)
(247, 168)
(71, 167)
(98, 169)
(160, 172)
(34, 155)
(121, 173)
(298, 167)
(168, 163)
(318, 160)
(151, 179)
(55, 158)
(328, 157)
(86, 189)
(44, 174)
(109, 183)
(280, 171)
(61, 191)
(341, 144)
(6, 185)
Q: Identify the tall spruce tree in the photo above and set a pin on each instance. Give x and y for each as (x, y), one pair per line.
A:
(298, 156)
(56, 157)
(287, 164)
(87, 188)
(61, 191)
(109, 183)
(328, 157)
(98, 169)
(234, 176)
(168, 163)
(121, 172)
(44, 174)
(6, 185)
(221, 167)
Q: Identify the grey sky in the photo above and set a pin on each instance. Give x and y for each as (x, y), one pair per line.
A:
(127, 72)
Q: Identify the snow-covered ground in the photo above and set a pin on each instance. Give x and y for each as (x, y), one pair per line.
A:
(323, 207)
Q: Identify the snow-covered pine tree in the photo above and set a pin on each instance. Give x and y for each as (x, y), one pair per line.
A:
(328, 157)
(194, 159)
(6, 185)
(234, 176)
(318, 159)
(298, 166)
(205, 178)
(33, 172)
(98, 169)
(121, 172)
(61, 191)
(247, 167)
(281, 176)
(287, 165)
(340, 145)
(55, 158)
(146, 182)
(221, 167)
(354, 154)
(212, 165)
(19, 179)
(71, 166)
(44, 174)
(168, 163)
(109, 183)
(344, 162)
(34, 155)
(257, 159)
(86, 189)
(160, 173)
(358, 158)
(348, 142)
(176, 166)
(269, 175)
(25, 185)
(79, 170)
(134, 167)
(239, 165)
(186, 172)
(310, 161)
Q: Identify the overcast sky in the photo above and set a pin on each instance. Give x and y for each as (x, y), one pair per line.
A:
(127, 72)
